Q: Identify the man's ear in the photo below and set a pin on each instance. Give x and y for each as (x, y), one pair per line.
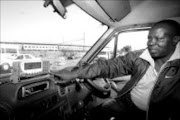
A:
(176, 39)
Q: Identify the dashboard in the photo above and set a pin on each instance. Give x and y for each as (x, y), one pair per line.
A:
(30, 94)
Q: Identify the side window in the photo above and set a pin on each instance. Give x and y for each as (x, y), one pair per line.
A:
(20, 57)
(131, 41)
(28, 57)
(126, 42)
(107, 52)
(11, 50)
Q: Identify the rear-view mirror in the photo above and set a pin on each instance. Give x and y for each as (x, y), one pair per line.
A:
(57, 6)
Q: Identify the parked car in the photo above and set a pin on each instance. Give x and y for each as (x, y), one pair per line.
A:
(104, 55)
(7, 62)
(119, 23)
(24, 57)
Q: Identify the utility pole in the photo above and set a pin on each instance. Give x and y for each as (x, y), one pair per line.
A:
(84, 41)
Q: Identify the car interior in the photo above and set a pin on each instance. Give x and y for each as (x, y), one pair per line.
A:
(39, 95)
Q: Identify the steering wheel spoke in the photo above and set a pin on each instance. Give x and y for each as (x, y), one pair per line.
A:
(99, 90)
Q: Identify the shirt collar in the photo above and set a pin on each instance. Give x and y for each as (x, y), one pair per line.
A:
(176, 54)
(146, 55)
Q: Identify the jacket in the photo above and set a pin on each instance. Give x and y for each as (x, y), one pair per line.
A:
(164, 101)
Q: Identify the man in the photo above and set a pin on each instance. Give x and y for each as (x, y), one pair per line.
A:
(155, 83)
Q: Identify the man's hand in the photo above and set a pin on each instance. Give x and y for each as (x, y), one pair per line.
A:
(65, 75)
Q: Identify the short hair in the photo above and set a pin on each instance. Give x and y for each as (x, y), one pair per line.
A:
(171, 23)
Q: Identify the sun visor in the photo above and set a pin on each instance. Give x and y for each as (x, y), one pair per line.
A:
(115, 9)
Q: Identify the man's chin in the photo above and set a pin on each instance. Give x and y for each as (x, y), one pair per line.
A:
(154, 55)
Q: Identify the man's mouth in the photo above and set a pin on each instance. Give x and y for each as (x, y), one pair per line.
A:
(152, 50)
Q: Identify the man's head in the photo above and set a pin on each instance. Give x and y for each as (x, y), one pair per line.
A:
(162, 38)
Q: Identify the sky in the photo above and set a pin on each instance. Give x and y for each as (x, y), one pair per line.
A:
(29, 21)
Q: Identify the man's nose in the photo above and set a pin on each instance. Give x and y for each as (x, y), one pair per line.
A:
(152, 41)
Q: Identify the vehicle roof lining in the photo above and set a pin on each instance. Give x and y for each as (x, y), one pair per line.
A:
(110, 8)
(152, 11)
(92, 8)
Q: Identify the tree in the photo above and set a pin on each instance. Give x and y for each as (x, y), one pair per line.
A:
(125, 50)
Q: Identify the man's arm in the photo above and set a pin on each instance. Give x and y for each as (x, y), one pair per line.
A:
(119, 66)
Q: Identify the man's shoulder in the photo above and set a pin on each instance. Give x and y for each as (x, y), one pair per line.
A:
(136, 53)
(139, 52)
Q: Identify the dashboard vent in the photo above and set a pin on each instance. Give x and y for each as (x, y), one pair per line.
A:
(62, 90)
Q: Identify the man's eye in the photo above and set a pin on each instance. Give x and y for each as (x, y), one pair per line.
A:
(160, 39)
(149, 38)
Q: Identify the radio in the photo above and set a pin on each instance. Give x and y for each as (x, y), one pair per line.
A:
(25, 69)
(31, 89)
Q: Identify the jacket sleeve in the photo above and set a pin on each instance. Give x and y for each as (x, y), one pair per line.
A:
(120, 66)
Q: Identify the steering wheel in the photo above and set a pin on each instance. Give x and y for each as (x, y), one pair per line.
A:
(102, 92)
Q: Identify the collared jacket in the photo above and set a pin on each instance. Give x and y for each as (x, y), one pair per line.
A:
(164, 103)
